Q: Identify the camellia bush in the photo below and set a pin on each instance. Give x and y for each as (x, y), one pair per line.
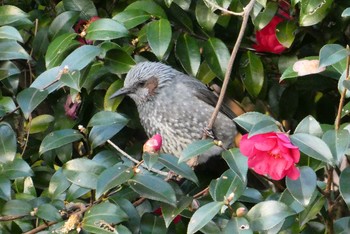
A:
(72, 160)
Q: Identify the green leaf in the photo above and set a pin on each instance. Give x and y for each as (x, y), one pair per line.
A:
(205, 17)
(118, 61)
(217, 56)
(169, 212)
(83, 172)
(63, 23)
(105, 29)
(303, 188)
(311, 210)
(11, 14)
(102, 215)
(8, 69)
(341, 226)
(182, 169)
(248, 120)
(48, 212)
(264, 17)
(252, 73)
(10, 33)
(203, 215)
(29, 99)
(100, 134)
(159, 37)
(313, 146)
(290, 201)
(40, 123)
(313, 12)
(75, 191)
(263, 126)
(153, 188)
(72, 80)
(344, 185)
(331, 54)
(205, 74)
(188, 53)
(285, 33)
(148, 6)
(150, 159)
(237, 162)
(132, 18)
(103, 118)
(346, 12)
(12, 50)
(48, 80)
(237, 225)
(196, 148)
(152, 224)
(267, 214)
(229, 184)
(81, 57)
(112, 177)
(59, 138)
(133, 223)
(7, 105)
(16, 207)
(5, 188)
(338, 142)
(15, 169)
(309, 125)
(8, 143)
(59, 49)
(58, 184)
(86, 8)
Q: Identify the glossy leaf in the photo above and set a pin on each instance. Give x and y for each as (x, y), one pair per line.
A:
(182, 169)
(105, 29)
(150, 159)
(8, 69)
(72, 80)
(338, 142)
(100, 134)
(63, 23)
(331, 54)
(238, 225)
(229, 184)
(152, 224)
(205, 17)
(107, 118)
(237, 162)
(341, 226)
(252, 73)
(159, 37)
(29, 99)
(303, 188)
(313, 12)
(112, 177)
(344, 185)
(8, 143)
(311, 210)
(309, 125)
(59, 138)
(148, 6)
(16, 207)
(58, 184)
(153, 188)
(7, 105)
(81, 57)
(205, 74)
(48, 80)
(248, 120)
(48, 212)
(40, 123)
(263, 126)
(203, 215)
(313, 147)
(15, 169)
(10, 14)
(102, 215)
(75, 191)
(169, 212)
(264, 17)
(59, 48)
(118, 61)
(196, 148)
(86, 8)
(12, 50)
(10, 33)
(131, 18)
(285, 33)
(217, 56)
(267, 214)
(5, 188)
(83, 172)
(188, 53)
(346, 12)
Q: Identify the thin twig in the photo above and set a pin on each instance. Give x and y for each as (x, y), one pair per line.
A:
(134, 160)
(27, 137)
(246, 13)
(10, 217)
(214, 5)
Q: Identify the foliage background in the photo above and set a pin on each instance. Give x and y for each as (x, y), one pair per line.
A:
(56, 177)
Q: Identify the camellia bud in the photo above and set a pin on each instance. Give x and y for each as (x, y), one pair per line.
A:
(241, 211)
(153, 144)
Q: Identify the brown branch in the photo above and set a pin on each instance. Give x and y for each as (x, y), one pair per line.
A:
(10, 217)
(246, 12)
(40, 228)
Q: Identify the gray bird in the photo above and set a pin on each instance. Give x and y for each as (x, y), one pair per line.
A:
(178, 107)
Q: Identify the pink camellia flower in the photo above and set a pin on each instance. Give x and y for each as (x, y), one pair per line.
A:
(271, 154)
(266, 39)
(153, 144)
(71, 107)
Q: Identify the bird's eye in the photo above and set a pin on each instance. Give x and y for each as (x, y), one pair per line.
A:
(142, 83)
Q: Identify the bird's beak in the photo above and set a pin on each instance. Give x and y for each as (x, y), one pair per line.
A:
(122, 91)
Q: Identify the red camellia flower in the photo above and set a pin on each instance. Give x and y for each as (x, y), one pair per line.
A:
(266, 40)
(160, 212)
(153, 144)
(71, 107)
(271, 154)
(81, 28)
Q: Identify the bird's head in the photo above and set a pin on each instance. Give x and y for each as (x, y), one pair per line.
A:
(144, 81)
